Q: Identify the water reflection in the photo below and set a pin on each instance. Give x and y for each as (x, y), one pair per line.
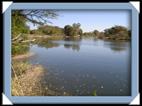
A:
(73, 39)
(117, 46)
(75, 47)
(75, 43)
(45, 43)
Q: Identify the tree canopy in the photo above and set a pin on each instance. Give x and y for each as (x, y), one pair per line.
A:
(117, 33)
(36, 17)
(73, 30)
(19, 26)
(113, 33)
(48, 30)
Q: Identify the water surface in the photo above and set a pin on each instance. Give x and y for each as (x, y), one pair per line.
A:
(84, 66)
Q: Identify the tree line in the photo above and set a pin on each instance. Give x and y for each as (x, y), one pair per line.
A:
(114, 33)
(20, 29)
(40, 18)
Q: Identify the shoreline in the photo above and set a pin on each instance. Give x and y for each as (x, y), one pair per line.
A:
(23, 56)
(28, 80)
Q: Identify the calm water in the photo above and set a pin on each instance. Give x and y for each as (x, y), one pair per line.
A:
(85, 66)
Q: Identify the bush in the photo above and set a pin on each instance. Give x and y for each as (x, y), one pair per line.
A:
(19, 49)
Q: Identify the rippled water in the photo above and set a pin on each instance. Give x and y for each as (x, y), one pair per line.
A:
(85, 66)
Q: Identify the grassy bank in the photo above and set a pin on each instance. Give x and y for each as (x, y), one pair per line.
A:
(53, 37)
(22, 56)
(28, 80)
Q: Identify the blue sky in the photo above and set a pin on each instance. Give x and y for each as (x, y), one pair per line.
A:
(91, 20)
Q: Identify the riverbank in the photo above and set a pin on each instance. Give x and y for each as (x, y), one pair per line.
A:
(52, 37)
(22, 56)
(28, 79)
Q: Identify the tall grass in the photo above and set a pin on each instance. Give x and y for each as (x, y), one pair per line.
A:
(26, 79)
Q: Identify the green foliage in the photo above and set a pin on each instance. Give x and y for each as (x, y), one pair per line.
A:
(18, 23)
(73, 30)
(80, 32)
(113, 33)
(96, 32)
(68, 30)
(94, 93)
(19, 26)
(48, 30)
(21, 67)
(117, 33)
(36, 31)
(21, 17)
(88, 34)
(18, 48)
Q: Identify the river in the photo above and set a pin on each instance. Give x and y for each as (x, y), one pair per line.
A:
(85, 67)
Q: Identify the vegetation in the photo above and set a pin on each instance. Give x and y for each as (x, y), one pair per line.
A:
(45, 43)
(20, 29)
(20, 18)
(18, 23)
(28, 80)
(48, 30)
(18, 48)
(117, 33)
(73, 30)
(113, 33)
(94, 93)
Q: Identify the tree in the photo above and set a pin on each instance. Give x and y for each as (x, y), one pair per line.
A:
(96, 32)
(80, 32)
(76, 25)
(76, 29)
(18, 24)
(117, 33)
(36, 16)
(68, 30)
(73, 30)
(49, 30)
(20, 18)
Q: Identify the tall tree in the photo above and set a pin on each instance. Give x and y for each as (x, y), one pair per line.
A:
(20, 18)
(36, 17)
(73, 30)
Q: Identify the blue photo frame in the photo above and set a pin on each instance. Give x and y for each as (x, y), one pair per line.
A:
(72, 99)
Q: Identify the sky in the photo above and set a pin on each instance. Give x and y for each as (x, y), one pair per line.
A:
(91, 20)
